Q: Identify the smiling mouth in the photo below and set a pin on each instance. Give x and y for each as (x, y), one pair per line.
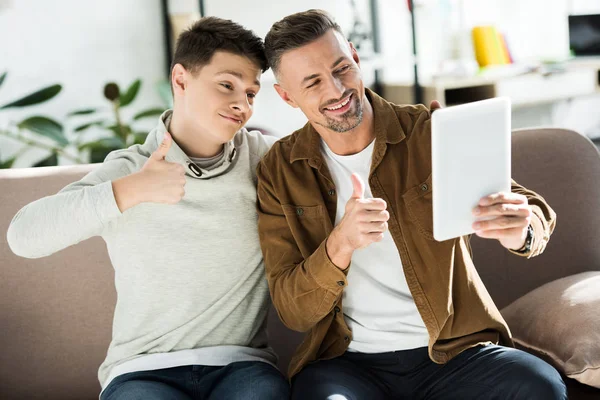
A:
(232, 119)
(343, 106)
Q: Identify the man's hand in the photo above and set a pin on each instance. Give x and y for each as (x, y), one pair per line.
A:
(364, 222)
(158, 181)
(507, 216)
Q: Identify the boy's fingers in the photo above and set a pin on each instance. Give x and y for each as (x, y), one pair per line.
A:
(163, 149)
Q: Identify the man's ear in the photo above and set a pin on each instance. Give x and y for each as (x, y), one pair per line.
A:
(354, 54)
(284, 95)
(179, 79)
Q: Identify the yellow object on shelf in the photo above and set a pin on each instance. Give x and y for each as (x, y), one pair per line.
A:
(489, 46)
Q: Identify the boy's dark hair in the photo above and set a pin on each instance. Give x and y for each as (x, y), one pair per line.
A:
(196, 45)
(295, 31)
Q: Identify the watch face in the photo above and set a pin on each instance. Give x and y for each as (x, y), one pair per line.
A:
(529, 238)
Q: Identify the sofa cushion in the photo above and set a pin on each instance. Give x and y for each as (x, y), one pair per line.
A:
(561, 320)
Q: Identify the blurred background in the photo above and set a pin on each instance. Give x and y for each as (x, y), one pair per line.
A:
(81, 78)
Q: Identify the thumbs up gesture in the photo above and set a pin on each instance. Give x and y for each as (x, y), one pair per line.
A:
(158, 181)
(364, 222)
(165, 181)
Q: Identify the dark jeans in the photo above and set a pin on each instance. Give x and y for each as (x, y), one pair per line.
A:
(249, 380)
(483, 372)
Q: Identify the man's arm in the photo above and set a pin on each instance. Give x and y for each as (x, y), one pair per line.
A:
(512, 214)
(305, 289)
(543, 220)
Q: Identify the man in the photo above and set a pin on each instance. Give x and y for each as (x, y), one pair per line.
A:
(345, 224)
(192, 300)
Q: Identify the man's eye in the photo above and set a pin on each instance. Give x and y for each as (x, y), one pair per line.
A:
(227, 86)
(313, 84)
(343, 69)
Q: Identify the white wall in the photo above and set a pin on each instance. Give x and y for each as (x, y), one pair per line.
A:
(82, 45)
(535, 29)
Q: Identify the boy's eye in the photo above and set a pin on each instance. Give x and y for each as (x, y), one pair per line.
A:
(251, 95)
(227, 86)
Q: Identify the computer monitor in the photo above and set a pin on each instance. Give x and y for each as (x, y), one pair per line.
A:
(584, 34)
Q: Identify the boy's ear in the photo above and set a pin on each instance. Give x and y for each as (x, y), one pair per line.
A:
(179, 79)
(284, 95)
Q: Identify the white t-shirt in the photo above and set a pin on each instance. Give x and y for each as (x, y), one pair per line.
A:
(378, 306)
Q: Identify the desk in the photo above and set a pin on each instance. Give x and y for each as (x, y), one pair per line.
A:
(530, 89)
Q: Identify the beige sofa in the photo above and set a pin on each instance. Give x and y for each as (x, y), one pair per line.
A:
(56, 312)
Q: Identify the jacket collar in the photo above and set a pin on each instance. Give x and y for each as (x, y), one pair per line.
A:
(387, 130)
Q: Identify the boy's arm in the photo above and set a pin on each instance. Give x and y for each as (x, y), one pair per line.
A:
(85, 208)
(79, 211)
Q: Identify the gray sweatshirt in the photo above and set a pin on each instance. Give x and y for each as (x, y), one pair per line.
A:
(190, 279)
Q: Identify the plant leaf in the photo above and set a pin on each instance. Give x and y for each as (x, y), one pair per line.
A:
(153, 112)
(164, 91)
(88, 125)
(7, 163)
(82, 112)
(130, 94)
(2, 77)
(139, 137)
(101, 148)
(109, 143)
(115, 129)
(45, 127)
(35, 98)
(48, 162)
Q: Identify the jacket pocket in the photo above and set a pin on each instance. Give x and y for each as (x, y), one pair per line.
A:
(419, 204)
(308, 225)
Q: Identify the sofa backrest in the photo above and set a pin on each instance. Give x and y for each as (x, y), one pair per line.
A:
(56, 312)
(564, 168)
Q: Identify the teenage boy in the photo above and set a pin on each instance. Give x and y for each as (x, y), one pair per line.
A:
(178, 215)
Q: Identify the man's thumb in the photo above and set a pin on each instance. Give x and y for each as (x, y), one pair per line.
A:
(435, 105)
(164, 147)
(359, 187)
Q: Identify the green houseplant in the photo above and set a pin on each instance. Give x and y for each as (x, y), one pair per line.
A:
(116, 133)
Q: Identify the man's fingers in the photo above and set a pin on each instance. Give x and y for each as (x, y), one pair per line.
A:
(373, 204)
(163, 148)
(375, 236)
(501, 223)
(434, 105)
(375, 227)
(503, 197)
(374, 216)
(499, 233)
(509, 209)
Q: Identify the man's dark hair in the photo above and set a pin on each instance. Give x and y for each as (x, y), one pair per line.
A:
(196, 45)
(295, 31)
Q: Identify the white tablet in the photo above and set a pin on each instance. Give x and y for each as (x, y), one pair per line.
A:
(470, 160)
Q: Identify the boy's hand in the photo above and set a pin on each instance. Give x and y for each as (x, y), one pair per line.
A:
(158, 181)
(364, 222)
